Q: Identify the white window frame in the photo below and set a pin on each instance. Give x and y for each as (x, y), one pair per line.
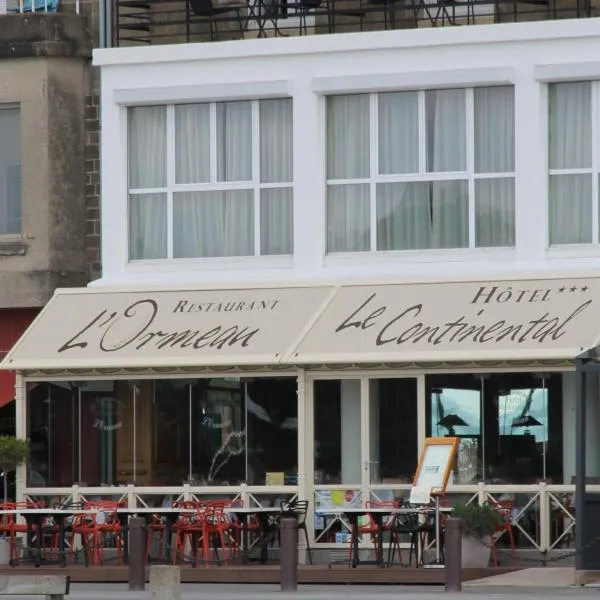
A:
(171, 188)
(468, 175)
(594, 171)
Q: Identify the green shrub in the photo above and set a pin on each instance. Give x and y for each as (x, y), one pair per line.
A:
(478, 521)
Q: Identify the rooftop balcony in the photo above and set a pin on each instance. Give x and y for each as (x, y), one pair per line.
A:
(139, 22)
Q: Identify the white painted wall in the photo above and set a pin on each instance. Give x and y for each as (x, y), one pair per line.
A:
(306, 68)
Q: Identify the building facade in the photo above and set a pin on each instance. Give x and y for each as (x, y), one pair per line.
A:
(45, 62)
(319, 250)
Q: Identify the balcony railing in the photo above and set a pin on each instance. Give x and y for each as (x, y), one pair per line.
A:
(138, 22)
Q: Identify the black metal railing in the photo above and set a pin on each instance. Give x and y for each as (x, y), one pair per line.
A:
(139, 22)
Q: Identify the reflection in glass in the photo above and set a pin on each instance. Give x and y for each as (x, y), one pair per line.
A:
(511, 425)
(219, 431)
(393, 430)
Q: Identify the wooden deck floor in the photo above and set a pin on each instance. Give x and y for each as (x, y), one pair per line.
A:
(316, 574)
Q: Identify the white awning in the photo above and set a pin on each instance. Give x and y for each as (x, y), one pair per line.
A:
(465, 321)
(532, 319)
(89, 328)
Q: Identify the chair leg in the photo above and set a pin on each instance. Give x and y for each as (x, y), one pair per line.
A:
(305, 529)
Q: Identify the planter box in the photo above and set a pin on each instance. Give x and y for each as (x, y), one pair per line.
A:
(475, 552)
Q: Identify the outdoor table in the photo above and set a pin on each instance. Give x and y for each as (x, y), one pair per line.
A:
(377, 512)
(36, 516)
(263, 513)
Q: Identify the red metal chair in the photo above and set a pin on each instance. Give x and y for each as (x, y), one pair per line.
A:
(94, 528)
(187, 528)
(505, 509)
(372, 528)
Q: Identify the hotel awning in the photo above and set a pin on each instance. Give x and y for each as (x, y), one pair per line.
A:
(89, 328)
(534, 319)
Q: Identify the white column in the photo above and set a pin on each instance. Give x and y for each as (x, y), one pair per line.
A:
(21, 432)
(531, 182)
(351, 432)
(374, 455)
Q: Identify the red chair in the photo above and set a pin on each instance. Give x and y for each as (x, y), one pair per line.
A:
(372, 528)
(96, 527)
(505, 509)
(187, 528)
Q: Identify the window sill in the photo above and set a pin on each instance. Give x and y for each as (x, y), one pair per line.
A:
(210, 264)
(421, 256)
(11, 245)
(568, 251)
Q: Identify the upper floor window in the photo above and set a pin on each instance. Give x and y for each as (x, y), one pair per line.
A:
(421, 170)
(574, 163)
(210, 180)
(10, 170)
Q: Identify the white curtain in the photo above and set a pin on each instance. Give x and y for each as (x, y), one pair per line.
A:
(398, 133)
(234, 141)
(220, 222)
(348, 218)
(348, 157)
(147, 148)
(192, 143)
(494, 124)
(426, 214)
(147, 226)
(210, 224)
(570, 147)
(276, 166)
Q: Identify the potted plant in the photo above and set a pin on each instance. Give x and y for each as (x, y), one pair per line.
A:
(13, 452)
(479, 524)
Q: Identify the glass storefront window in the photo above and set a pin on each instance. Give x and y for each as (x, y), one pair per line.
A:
(510, 425)
(217, 431)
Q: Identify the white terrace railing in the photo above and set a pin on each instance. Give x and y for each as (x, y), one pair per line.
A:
(543, 514)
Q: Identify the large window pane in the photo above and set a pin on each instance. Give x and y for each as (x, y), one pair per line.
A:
(510, 425)
(276, 141)
(162, 432)
(10, 170)
(454, 409)
(393, 430)
(446, 130)
(422, 215)
(494, 129)
(348, 137)
(234, 141)
(272, 429)
(147, 226)
(207, 224)
(570, 125)
(570, 208)
(348, 218)
(337, 432)
(495, 212)
(192, 143)
(147, 131)
(276, 221)
(398, 133)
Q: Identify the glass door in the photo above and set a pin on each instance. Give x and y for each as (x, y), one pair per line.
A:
(365, 446)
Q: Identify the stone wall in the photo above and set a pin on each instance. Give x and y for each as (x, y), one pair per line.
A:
(92, 184)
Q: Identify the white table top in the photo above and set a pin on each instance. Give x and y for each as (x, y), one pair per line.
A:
(140, 511)
(380, 510)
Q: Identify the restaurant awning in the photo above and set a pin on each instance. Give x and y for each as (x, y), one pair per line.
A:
(533, 319)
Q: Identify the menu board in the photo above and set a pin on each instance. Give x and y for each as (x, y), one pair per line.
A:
(435, 464)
